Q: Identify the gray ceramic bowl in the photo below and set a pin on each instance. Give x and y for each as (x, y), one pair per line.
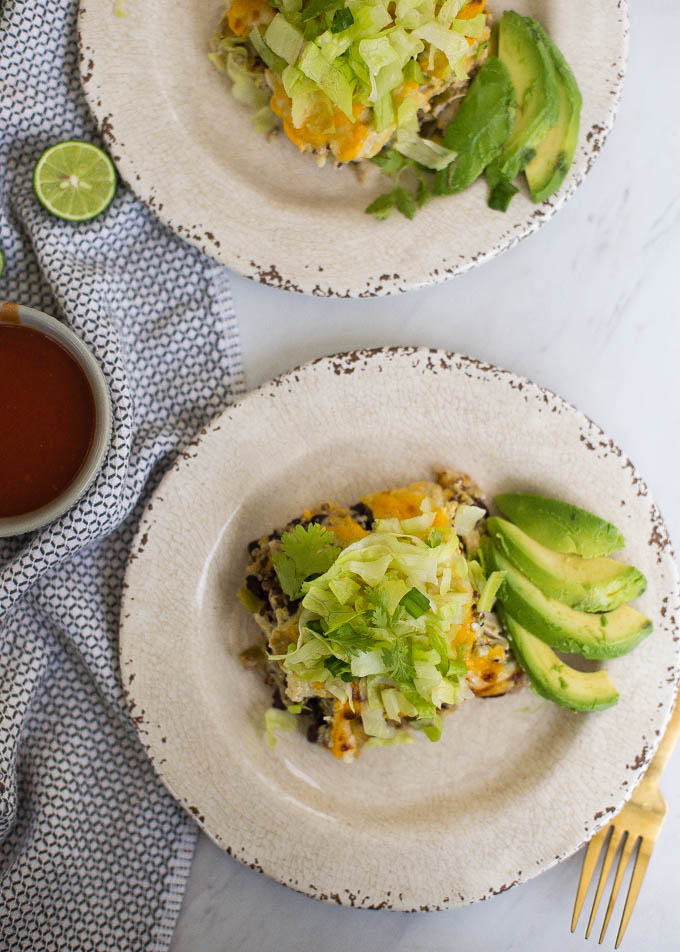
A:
(29, 317)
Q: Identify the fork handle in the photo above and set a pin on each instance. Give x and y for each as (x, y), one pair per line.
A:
(666, 745)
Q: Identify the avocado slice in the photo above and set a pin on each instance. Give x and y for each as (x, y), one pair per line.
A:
(532, 70)
(590, 585)
(554, 155)
(555, 680)
(592, 635)
(561, 526)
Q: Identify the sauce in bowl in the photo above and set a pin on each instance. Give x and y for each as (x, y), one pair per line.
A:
(47, 419)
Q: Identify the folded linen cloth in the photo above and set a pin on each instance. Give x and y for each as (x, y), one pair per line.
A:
(94, 853)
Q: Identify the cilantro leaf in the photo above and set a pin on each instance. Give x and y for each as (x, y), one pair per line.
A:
(423, 191)
(352, 639)
(404, 202)
(390, 161)
(394, 165)
(397, 663)
(314, 8)
(382, 206)
(304, 552)
(380, 617)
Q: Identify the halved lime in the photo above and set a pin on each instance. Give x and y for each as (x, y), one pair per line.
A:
(74, 180)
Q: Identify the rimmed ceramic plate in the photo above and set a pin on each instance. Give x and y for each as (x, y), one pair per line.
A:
(515, 783)
(189, 151)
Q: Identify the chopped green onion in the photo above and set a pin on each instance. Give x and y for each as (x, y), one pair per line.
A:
(342, 19)
(339, 669)
(415, 603)
(501, 194)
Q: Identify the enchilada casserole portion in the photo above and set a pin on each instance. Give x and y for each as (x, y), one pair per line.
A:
(377, 617)
(343, 78)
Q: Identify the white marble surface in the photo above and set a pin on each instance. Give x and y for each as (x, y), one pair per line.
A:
(589, 308)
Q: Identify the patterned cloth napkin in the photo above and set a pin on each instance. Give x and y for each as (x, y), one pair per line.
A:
(94, 853)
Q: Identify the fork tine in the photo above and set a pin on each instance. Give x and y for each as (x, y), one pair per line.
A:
(628, 846)
(612, 847)
(589, 863)
(639, 871)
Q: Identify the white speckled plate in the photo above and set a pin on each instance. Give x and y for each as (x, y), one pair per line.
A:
(188, 150)
(516, 783)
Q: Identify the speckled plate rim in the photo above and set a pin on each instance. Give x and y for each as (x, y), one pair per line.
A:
(291, 270)
(435, 361)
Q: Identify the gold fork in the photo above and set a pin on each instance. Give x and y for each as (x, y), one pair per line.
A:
(640, 819)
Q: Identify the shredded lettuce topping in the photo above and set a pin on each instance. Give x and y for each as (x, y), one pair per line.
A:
(276, 721)
(385, 612)
(357, 52)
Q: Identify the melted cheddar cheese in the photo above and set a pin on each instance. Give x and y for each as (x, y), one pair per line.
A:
(329, 126)
(243, 15)
(342, 740)
(345, 529)
(463, 634)
(487, 672)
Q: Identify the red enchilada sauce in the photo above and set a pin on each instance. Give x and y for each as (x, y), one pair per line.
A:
(47, 419)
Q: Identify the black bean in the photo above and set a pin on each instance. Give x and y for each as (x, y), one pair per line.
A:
(254, 585)
(362, 514)
(276, 700)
